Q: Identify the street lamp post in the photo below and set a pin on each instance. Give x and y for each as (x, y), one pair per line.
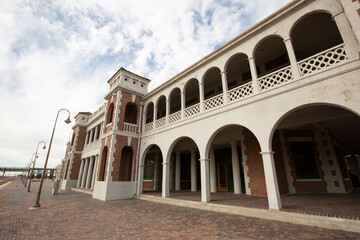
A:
(33, 167)
(28, 170)
(67, 121)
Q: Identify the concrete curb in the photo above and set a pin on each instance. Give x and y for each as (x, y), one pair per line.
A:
(295, 218)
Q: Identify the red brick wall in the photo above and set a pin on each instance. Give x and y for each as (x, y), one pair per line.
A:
(279, 164)
(125, 99)
(121, 142)
(75, 168)
(80, 139)
(255, 164)
(109, 101)
(306, 186)
(105, 142)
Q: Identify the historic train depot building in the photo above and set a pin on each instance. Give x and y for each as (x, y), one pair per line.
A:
(274, 111)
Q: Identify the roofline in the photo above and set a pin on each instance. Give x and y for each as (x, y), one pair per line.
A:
(123, 69)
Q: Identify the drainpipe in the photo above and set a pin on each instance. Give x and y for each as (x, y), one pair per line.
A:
(138, 146)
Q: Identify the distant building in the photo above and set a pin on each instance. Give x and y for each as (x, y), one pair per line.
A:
(274, 111)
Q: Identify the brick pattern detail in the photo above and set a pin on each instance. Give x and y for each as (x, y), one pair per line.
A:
(106, 142)
(255, 164)
(306, 186)
(125, 99)
(80, 142)
(279, 164)
(118, 164)
(75, 168)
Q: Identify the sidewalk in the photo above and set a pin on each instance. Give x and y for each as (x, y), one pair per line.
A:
(77, 216)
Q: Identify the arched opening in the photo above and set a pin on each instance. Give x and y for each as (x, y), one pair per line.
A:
(131, 113)
(235, 162)
(212, 83)
(152, 180)
(109, 116)
(184, 167)
(126, 163)
(314, 33)
(271, 55)
(161, 108)
(149, 113)
(103, 164)
(192, 93)
(175, 101)
(317, 149)
(238, 71)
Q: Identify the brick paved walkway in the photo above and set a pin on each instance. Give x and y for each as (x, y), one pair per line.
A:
(78, 216)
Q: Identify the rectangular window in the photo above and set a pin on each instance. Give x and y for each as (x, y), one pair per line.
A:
(304, 160)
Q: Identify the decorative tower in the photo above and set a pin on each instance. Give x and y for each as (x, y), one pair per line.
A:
(119, 142)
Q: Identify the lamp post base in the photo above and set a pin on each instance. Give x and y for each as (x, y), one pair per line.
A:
(35, 206)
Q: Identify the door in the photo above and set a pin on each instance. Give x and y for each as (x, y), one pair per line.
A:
(222, 184)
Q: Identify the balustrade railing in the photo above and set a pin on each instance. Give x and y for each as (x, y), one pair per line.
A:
(307, 66)
(160, 122)
(174, 117)
(322, 60)
(148, 127)
(192, 110)
(273, 79)
(241, 91)
(130, 128)
(213, 102)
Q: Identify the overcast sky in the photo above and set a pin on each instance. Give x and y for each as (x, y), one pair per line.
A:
(60, 54)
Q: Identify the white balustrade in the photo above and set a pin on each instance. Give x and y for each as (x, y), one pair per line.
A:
(174, 117)
(213, 102)
(192, 110)
(276, 78)
(241, 91)
(160, 122)
(323, 60)
(148, 127)
(130, 128)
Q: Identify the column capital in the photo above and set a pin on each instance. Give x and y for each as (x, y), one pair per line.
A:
(183, 93)
(165, 163)
(233, 142)
(251, 58)
(337, 14)
(201, 84)
(267, 153)
(141, 166)
(223, 72)
(204, 160)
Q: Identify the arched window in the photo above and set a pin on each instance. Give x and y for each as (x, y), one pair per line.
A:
(131, 113)
(103, 164)
(126, 164)
(110, 114)
(150, 113)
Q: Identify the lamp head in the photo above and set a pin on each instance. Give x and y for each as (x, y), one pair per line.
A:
(67, 121)
(44, 147)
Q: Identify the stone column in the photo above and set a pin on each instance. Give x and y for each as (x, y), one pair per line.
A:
(87, 138)
(201, 96)
(91, 135)
(236, 168)
(154, 117)
(224, 86)
(89, 174)
(347, 34)
(205, 183)
(177, 172)
(96, 161)
(213, 183)
(80, 173)
(272, 187)
(97, 132)
(167, 109)
(254, 75)
(140, 179)
(293, 62)
(165, 180)
(85, 173)
(193, 171)
(183, 105)
(156, 170)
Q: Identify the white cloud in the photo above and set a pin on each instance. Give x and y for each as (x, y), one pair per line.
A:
(56, 54)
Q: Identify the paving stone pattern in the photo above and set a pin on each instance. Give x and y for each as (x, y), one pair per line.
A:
(78, 216)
